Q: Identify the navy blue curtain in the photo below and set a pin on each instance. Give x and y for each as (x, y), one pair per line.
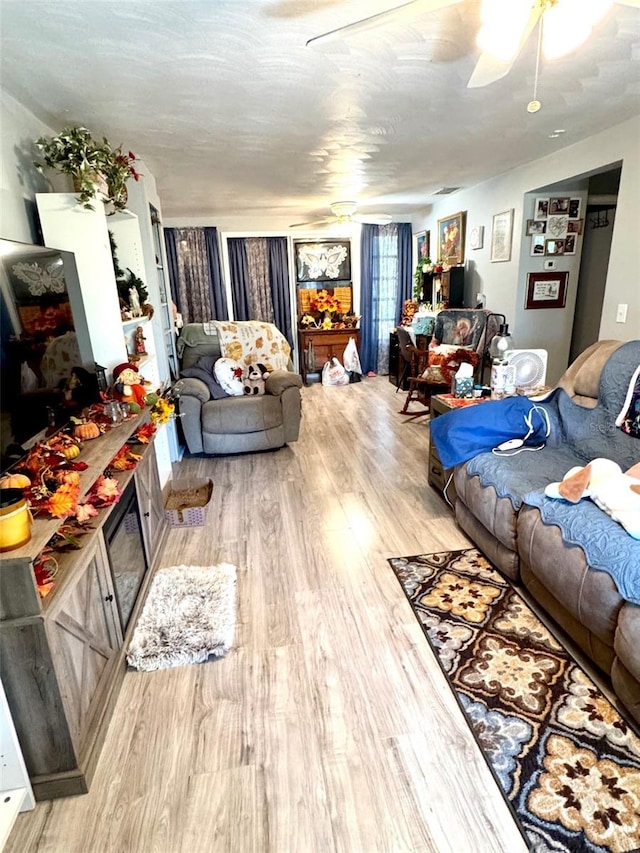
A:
(405, 267)
(368, 262)
(279, 281)
(172, 263)
(218, 293)
(239, 270)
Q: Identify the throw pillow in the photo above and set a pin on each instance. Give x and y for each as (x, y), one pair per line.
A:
(229, 374)
(203, 370)
(444, 360)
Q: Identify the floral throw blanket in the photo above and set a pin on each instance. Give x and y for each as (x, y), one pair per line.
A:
(253, 342)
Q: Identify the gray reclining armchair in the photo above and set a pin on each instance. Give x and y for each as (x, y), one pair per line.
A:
(233, 424)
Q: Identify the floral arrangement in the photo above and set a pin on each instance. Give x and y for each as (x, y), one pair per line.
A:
(164, 409)
(118, 169)
(325, 303)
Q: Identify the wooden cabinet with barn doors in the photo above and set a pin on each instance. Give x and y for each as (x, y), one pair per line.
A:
(63, 656)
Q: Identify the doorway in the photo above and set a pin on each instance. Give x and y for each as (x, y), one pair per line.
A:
(598, 225)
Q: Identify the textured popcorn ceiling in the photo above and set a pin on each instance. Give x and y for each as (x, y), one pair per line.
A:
(235, 116)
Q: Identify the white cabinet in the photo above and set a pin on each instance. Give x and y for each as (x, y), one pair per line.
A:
(68, 226)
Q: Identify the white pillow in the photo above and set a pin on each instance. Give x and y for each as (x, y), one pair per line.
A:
(229, 375)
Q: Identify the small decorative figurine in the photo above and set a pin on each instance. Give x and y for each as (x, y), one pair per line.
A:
(138, 342)
(134, 302)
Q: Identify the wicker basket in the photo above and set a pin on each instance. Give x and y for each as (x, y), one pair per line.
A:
(187, 502)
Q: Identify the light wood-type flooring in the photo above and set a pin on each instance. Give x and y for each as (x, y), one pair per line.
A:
(329, 726)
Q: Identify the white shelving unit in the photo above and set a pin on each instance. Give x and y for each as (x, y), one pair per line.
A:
(144, 202)
(68, 226)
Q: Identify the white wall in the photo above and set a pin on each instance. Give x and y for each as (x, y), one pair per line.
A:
(503, 283)
(19, 179)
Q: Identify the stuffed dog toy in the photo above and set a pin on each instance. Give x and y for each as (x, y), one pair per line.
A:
(602, 480)
(253, 381)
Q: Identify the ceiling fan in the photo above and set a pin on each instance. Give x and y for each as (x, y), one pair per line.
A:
(344, 212)
(505, 27)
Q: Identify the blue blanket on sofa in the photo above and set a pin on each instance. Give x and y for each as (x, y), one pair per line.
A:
(577, 436)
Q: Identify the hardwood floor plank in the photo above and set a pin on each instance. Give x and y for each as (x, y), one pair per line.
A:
(329, 726)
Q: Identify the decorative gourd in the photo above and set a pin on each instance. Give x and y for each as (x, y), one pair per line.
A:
(71, 478)
(71, 452)
(86, 431)
(15, 481)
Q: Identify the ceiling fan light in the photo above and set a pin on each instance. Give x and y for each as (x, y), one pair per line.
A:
(343, 209)
(502, 27)
(563, 32)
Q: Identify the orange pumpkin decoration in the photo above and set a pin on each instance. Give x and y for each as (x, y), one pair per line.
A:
(71, 478)
(71, 451)
(86, 431)
(15, 481)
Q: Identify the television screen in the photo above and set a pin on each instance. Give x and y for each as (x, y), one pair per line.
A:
(47, 370)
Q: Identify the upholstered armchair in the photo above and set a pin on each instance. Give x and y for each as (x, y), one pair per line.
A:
(460, 335)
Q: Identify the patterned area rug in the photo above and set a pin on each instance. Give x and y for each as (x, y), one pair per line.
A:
(566, 761)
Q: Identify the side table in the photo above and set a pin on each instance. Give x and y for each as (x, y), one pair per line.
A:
(437, 475)
(325, 344)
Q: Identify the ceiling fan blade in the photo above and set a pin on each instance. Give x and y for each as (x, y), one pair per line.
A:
(372, 219)
(311, 223)
(489, 68)
(412, 7)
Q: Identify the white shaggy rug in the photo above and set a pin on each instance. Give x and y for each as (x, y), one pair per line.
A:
(189, 615)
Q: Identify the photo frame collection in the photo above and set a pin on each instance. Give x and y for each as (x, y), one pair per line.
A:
(555, 226)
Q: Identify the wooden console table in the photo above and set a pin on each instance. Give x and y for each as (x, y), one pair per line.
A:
(326, 344)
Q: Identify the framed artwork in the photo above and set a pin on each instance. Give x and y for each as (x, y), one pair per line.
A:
(501, 234)
(329, 260)
(536, 226)
(451, 239)
(574, 226)
(575, 206)
(476, 237)
(554, 247)
(546, 289)
(570, 244)
(422, 247)
(559, 206)
(557, 226)
(538, 242)
(541, 210)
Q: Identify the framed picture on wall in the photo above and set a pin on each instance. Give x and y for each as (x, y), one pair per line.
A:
(329, 260)
(536, 226)
(546, 289)
(575, 206)
(422, 247)
(451, 239)
(570, 244)
(554, 247)
(538, 242)
(574, 226)
(476, 237)
(501, 235)
(559, 206)
(541, 210)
